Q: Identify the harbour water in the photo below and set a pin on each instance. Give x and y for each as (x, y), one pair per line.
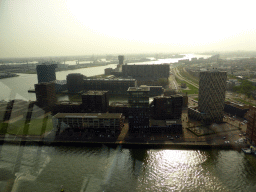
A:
(86, 168)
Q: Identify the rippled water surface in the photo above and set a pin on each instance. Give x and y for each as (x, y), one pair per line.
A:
(45, 168)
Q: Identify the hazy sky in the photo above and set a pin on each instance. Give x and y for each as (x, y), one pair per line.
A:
(32, 28)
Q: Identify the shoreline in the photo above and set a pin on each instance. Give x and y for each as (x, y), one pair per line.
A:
(69, 69)
(9, 76)
(35, 140)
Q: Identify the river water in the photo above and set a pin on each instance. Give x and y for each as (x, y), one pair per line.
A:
(102, 168)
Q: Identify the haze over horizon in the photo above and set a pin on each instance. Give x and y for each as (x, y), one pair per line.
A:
(38, 28)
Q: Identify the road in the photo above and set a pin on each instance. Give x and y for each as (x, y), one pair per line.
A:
(173, 83)
(178, 75)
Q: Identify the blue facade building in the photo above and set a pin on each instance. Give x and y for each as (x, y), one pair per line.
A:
(46, 72)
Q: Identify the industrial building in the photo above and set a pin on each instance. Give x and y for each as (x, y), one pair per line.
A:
(211, 100)
(89, 123)
(164, 107)
(45, 94)
(95, 101)
(251, 125)
(75, 82)
(113, 86)
(146, 72)
(46, 72)
(139, 110)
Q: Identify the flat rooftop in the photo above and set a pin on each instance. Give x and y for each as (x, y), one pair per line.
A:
(138, 89)
(113, 80)
(92, 92)
(89, 115)
(68, 103)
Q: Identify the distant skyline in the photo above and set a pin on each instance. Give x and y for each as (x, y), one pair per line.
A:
(39, 28)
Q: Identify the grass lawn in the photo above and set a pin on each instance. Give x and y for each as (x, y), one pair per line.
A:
(192, 89)
(188, 76)
(180, 81)
(35, 127)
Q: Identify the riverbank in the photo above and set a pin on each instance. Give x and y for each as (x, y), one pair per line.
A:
(8, 76)
(69, 68)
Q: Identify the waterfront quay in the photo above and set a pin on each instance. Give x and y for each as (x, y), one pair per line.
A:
(222, 136)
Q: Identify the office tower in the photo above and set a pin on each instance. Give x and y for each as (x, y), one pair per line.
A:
(45, 94)
(211, 100)
(46, 72)
(95, 101)
(138, 111)
(75, 82)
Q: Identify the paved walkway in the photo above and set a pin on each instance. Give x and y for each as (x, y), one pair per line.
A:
(123, 134)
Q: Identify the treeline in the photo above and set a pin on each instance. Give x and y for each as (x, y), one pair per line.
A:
(246, 88)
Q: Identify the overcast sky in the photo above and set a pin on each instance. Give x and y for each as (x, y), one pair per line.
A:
(32, 28)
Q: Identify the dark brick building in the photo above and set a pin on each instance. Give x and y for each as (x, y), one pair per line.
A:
(75, 82)
(95, 101)
(45, 94)
(139, 110)
(167, 107)
(251, 125)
